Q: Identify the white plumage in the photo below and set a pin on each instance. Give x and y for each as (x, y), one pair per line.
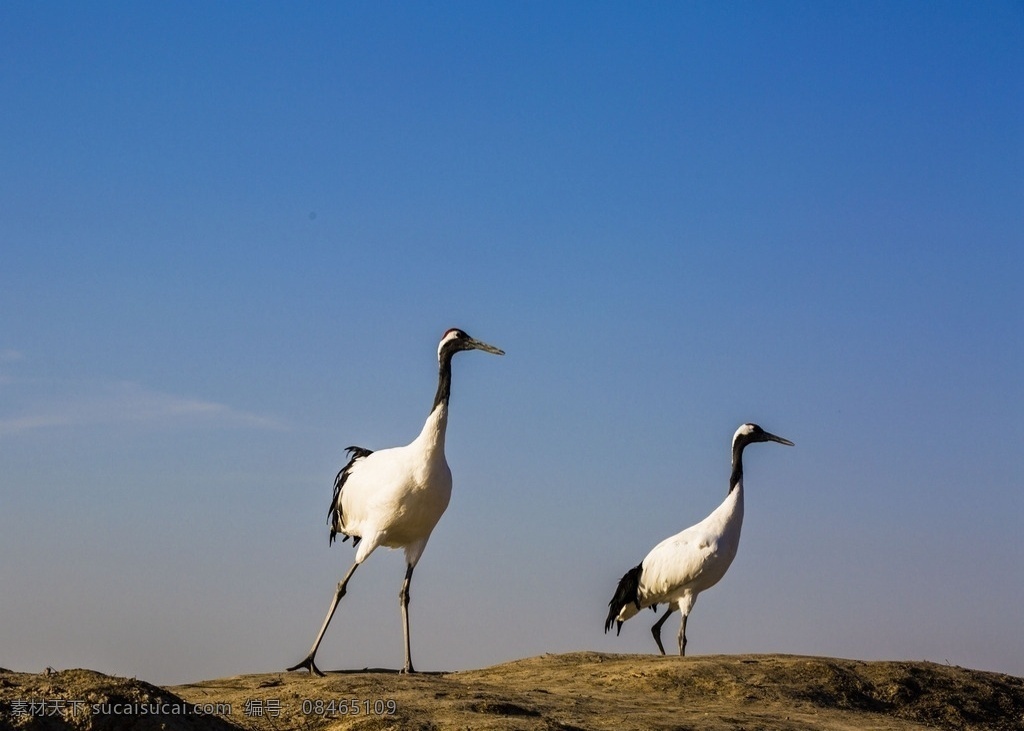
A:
(682, 566)
(394, 497)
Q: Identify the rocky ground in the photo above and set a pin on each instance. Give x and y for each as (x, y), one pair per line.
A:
(573, 691)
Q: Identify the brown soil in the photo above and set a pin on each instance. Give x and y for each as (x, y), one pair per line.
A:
(584, 690)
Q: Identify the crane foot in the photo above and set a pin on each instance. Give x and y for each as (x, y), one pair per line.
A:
(309, 665)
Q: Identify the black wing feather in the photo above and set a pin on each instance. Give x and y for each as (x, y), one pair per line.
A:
(628, 592)
(334, 513)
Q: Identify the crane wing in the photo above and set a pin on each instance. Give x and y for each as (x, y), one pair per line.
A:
(626, 593)
(334, 516)
(675, 563)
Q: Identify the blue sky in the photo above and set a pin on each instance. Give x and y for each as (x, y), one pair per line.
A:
(233, 234)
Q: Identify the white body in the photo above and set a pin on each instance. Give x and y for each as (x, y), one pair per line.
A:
(683, 565)
(394, 497)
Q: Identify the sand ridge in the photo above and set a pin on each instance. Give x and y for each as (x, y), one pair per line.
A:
(581, 690)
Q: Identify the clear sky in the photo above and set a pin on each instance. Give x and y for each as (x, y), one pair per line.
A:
(232, 235)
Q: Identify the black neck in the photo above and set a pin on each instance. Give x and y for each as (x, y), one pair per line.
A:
(737, 464)
(444, 377)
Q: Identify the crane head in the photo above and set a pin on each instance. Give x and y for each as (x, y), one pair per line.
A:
(455, 340)
(749, 433)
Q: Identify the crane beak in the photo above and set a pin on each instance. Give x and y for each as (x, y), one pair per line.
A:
(780, 440)
(478, 345)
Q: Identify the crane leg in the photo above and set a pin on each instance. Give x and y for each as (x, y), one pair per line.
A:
(338, 594)
(403, 598)
(682, 637)
(656, 629)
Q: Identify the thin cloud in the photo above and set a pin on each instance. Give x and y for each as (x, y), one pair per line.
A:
(131, 403)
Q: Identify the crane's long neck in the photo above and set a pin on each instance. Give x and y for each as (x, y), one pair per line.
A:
(731, 509)
(444, 378)
(736, 479)
(432, 436)
(434, 428)
(728, 517)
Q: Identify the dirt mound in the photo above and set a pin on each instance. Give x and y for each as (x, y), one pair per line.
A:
(91, 701)
(572, 691)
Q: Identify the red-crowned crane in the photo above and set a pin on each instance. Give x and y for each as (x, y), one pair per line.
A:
(394, 497)
(682, 566)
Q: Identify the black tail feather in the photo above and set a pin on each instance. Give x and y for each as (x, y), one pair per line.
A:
(334, 514)
(628, 592)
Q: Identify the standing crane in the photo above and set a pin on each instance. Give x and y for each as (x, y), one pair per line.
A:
(394, 497)
(682, 566)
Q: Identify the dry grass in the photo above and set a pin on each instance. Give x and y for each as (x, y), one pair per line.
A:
(572, 691)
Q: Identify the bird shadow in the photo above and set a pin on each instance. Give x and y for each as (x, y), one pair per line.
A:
(382, 671)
